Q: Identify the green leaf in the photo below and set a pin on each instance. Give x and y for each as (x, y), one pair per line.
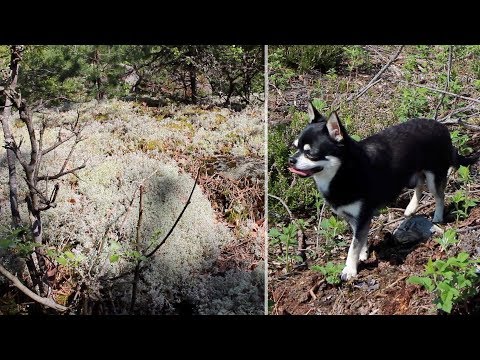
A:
(274, 232)
(462, 257)
(70, 255)
(6, 243)
(430, 267)
(114, 258)
(419, 280)
(62, 261)
(445, 306)
(318, 268)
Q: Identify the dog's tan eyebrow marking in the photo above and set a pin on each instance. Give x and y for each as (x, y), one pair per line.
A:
(295, 143)
(306, 147)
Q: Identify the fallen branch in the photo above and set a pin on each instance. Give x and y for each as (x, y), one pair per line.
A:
(449, 68)
(376, 78)
(440, 91)
(18, 284)
(456, 111)
(468, 228)
(284, 205)
(461, 123)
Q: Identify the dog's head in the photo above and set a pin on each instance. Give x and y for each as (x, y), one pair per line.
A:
(320, 145)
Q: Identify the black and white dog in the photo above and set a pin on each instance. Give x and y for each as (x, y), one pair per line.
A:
(356, 178)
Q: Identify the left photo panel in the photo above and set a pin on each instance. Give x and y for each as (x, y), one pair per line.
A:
(132, 180)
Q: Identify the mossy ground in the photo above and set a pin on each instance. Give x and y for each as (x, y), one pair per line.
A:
(126, 144)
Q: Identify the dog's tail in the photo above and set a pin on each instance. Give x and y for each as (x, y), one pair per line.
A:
(465, 160)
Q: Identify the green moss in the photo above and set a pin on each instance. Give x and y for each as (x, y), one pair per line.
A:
(181, 125)
(18, 123)
(219, 119)
(150, 145)
(100, 117)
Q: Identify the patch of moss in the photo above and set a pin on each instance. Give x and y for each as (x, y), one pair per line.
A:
(18, 123)
(181, 125)
(101, 117)
(150, 145)
(219, 119)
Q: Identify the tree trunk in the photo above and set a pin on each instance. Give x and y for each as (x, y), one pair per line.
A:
(193, 83)
(7, 132)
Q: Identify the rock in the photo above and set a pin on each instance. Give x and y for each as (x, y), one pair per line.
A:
(368, 285)
(415, 229)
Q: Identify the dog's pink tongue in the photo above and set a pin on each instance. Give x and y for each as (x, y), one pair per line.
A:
(296, 171)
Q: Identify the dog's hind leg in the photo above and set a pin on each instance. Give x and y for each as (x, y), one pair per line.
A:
(359, 246)
(417, 195)
(436, 185)
(364, 251)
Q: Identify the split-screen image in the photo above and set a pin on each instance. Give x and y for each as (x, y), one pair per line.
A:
(239, 180)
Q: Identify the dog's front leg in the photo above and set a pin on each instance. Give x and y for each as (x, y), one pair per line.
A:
(357, 247)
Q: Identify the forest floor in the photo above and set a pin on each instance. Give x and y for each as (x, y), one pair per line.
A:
(380, 287)
(212, 263)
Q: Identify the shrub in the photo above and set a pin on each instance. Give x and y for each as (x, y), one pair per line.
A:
(452, 280)
(308, 57)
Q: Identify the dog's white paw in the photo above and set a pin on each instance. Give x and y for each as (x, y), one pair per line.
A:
(348, 273)
(363, 254)
(411, 209)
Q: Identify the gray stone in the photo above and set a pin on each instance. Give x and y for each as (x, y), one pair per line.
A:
(415, 229)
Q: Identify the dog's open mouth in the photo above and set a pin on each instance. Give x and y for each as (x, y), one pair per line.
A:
(305, 173)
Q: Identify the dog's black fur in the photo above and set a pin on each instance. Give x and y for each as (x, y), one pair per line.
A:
(376, 169)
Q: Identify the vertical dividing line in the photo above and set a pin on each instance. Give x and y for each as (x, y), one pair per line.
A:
(265, 112)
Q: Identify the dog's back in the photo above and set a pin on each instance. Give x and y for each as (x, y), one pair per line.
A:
(397, 154)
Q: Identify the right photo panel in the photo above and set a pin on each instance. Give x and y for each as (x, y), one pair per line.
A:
(373, 179)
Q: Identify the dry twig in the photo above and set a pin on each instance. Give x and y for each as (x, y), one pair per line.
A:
(41, 300)
(376, 78)
(447, 84)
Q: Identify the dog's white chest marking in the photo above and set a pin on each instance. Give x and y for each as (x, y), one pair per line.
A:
(325, 177)
(351, 210)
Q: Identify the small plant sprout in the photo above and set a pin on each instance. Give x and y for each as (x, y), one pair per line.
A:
(285, 238)
(460, 142)
(332, 227)
(462, 203)
(464, 174)
(331, 272)
(449, 238)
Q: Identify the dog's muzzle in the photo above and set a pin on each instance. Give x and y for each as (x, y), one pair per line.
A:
(292, 160)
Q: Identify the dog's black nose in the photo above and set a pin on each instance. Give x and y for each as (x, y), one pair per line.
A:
(292, 160)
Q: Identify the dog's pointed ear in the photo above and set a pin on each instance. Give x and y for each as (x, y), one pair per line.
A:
(334, 127)
(313, 114)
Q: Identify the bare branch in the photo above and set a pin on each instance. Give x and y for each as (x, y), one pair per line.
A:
(137, 247)
(57, 144)
(18, 284)
(40, 148)
(284, 205)
(456, 111)
(449, 68)
(12, 145)
(376, 78)
(60, 174)
(440, 91)
(460, 122)
(39, 193)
